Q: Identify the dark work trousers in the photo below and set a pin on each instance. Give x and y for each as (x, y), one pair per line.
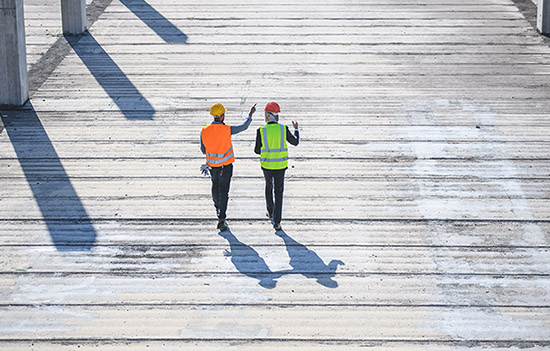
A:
(274, 180)
(221, 179)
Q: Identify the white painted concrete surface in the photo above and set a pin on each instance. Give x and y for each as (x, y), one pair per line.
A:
(417, 205)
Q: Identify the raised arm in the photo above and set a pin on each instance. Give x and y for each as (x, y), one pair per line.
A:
(293, 139)
(244, 126)
(241, 127)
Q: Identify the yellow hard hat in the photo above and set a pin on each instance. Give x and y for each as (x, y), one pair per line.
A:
(217, 109)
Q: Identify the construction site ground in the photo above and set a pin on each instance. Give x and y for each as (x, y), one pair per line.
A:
(417, 204)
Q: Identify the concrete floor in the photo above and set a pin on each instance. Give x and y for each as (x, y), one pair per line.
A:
(417, 205)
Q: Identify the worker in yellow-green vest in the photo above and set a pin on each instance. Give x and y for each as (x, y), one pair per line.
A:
(271, 145)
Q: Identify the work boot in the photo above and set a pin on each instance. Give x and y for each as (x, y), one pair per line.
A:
(277, 226)
(222, 225)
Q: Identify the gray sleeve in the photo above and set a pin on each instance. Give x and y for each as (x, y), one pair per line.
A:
(241, 127)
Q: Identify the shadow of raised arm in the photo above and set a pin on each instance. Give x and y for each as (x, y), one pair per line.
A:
(306, 262)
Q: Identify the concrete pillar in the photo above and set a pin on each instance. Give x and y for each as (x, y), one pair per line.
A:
(73, 16)
(14, 87)
(543, 17)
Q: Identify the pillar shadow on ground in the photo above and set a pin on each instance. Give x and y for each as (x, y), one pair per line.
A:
(112, 79)
(248, 261)
(161, 25)
(307, 263)
(67, 221)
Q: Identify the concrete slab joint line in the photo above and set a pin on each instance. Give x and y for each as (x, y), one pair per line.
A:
(13, 57)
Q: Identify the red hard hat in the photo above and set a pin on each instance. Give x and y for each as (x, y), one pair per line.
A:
(272, 107)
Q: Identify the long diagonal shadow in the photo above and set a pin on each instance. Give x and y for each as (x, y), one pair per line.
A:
(303, 261)
(308, 263)
(111, 78)
(156, 21)
(50, 185)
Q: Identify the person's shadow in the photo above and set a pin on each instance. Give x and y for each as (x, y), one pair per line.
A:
(306, 262)
(248, 261)
(303, 261)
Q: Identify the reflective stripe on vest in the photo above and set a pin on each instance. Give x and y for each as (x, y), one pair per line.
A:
(212, 158)
(216, 139)
(274, 151)
(219, 155)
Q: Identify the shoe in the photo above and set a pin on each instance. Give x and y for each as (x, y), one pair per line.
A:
(277, 226)
(222, 225)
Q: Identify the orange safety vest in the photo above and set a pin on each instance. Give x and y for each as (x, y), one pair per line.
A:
(216, 139)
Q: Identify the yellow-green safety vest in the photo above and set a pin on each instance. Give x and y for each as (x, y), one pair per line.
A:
(274, 152)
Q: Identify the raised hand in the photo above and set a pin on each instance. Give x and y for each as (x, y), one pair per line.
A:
(252, 110)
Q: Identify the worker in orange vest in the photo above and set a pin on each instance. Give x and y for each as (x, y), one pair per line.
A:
(216, 145)
(271, 145)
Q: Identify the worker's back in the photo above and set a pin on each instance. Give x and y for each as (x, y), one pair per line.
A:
(216, 138)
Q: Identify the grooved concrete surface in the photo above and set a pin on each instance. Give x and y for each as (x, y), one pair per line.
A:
(417, 208)
(42, 27)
